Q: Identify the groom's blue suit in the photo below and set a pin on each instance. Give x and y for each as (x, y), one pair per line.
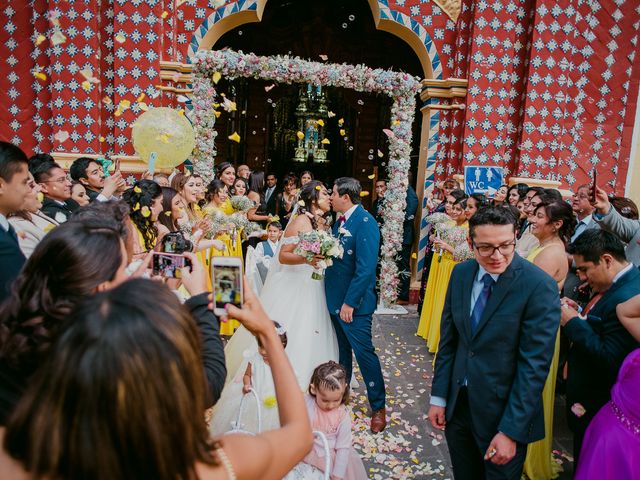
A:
(352, 280)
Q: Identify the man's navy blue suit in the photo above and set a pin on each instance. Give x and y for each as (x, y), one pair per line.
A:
(352, 280)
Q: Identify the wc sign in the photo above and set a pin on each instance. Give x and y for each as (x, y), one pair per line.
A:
(482, 179)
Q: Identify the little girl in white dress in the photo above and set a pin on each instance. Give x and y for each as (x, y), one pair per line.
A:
(326, 404)
(254, 374)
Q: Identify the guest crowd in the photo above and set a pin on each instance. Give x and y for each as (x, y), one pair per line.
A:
(106, 371)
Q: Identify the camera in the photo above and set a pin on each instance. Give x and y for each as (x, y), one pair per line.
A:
(174, 242)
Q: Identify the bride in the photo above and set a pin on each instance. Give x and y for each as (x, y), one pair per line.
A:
(293, 299)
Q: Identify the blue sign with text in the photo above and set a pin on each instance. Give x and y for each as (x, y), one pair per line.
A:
(482, 179)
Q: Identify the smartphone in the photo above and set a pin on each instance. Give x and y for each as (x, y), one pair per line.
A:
(106, 163)
(227, 283)
(169, 265)
(592, 189)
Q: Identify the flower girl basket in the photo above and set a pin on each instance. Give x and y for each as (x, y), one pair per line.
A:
(302, 471)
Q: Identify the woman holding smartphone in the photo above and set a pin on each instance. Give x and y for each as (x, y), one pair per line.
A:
(93, 389)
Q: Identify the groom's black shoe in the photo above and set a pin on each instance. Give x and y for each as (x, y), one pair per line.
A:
(378, 420)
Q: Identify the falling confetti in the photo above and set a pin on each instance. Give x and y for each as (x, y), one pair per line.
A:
(372, 176)
(320, 122)
(343, 132)
(40, 75)
(323, 57)
(216, 77)
(235, 137)
(300, 135)
(268, 88)
(325, 141)
(380, 154)
(331, 114)
(120, 38)
(341, 121)
(388, 133)
(145, 212)
(61, 136)
(58, 38)
(40, 39)
(165, 14)
(229, 105)
(364, 193)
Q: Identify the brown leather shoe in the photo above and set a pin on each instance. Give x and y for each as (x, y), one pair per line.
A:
(378, 420)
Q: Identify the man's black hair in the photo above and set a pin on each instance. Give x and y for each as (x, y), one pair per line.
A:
(492, 216)
(592, 244)
(11, 160)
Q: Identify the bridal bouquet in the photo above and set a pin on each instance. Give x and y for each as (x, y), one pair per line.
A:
(319, 243)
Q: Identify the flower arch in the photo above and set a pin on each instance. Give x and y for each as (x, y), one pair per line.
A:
(401, 87)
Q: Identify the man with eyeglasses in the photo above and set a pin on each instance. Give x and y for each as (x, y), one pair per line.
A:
(584, 214)
(90, 173)
(498, 332)
(56, 187)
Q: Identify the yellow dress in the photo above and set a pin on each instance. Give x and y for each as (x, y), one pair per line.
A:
(233, 248)
(436, 291)
(539, 463)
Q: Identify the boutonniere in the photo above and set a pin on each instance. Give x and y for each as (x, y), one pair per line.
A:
(343, 232)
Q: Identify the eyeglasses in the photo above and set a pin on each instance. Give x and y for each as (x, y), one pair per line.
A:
(488, 250)
(57, 180)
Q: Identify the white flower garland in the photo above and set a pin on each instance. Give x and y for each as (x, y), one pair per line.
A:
(401, 87)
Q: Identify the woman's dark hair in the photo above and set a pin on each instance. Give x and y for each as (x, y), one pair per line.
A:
(222, 167)
(166, 217)
(462, 202)
(330, 376)
(538, 190)
(625, 207)
(256, 182)
(290, 178)
(560, 211)
(308, 172)
(65, 267)
(141, 195)
(592, 244)
(104, 399)
(111, 214)
(239, 179)
(309, 194)
(348, 186)
(213, 188)
(458, 194)
(492, 216)
(481, 200)
(521, 188)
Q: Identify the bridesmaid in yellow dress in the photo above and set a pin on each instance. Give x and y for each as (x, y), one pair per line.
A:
(226, 173)
(217, 201)
(451, 248)
(552, 224)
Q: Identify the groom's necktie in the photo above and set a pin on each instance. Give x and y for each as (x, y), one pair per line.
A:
(481, 302)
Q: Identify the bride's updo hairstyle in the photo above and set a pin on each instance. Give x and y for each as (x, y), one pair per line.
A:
(308, 198)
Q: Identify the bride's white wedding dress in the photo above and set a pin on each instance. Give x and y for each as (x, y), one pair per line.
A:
(296, 301)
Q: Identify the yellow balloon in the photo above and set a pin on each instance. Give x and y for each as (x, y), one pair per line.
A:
(164, 131)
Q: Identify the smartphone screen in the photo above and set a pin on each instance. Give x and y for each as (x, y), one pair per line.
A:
(169, 265)
(227, 286)
(592, 190)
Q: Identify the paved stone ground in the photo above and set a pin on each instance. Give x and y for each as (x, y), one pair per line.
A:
(409, 447)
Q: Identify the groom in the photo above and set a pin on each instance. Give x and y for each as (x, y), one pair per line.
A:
(350, 291)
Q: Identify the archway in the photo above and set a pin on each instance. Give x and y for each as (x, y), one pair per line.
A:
(385, 19)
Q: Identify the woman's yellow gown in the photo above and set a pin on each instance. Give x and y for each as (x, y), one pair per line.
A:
(435, 294)
(539, 463)
(233, 246)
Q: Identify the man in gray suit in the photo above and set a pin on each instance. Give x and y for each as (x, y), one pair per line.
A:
(498, 331)
(584, 214)
(625, 229)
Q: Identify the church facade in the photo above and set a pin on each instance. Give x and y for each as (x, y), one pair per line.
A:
(545, 89)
